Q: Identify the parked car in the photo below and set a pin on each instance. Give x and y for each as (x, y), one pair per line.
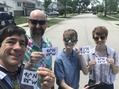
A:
(6, 19)
(94, 12)
(53, 13)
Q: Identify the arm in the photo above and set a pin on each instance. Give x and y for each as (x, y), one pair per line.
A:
(90, 65)
(115, 68)
(64, 85)
(83, 64)
(114, 62)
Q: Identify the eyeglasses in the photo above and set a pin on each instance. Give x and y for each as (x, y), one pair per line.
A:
(97, 38)
(35, 22)
(73, 40)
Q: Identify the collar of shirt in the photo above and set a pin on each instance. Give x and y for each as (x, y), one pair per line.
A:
(93, 51)
(33, 44)
(2, 74)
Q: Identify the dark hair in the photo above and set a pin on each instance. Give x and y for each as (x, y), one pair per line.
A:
(100, 30)
(12, 30)
(70, 33)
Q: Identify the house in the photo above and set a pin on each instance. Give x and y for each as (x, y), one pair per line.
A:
(20, 7)
(55, 6)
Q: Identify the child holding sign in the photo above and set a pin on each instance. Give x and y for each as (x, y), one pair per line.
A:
(68, 63)
(103, 61)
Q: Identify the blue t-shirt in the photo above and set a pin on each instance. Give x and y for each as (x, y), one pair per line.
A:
(67, 68)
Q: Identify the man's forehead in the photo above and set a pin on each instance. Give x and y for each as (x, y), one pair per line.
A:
(16, 37)
(37, 16)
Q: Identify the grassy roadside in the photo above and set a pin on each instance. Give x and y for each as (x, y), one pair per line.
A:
(100, 15)
(52, 21)
(20, 19)
(109, 17)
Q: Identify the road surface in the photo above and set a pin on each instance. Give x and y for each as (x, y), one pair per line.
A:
(84, 24)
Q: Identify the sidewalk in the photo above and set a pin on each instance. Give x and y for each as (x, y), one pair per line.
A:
(114, 23)
(23, 25)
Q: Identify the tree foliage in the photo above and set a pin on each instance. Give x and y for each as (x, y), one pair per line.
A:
(46, 4)
(110, 6)
(85, 2)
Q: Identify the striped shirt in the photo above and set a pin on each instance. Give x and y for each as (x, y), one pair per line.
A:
(103, 72)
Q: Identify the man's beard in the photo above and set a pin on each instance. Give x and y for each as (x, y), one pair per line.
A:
(37, 32)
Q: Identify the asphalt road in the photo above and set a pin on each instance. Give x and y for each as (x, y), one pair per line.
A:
(84, 24)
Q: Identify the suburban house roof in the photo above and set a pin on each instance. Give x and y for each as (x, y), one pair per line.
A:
(4, 5)
(29, 1)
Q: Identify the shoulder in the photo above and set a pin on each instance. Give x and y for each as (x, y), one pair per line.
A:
(60, 56)
(47, 41)
(111, 50)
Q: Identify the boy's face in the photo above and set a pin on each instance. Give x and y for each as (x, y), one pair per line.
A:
(70, 42)
(12, 51)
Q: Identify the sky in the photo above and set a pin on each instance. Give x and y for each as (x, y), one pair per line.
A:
(100, 0)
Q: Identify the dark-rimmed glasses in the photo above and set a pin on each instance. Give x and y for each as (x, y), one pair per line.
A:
(35, 22)
(73, 40)
(97, 38)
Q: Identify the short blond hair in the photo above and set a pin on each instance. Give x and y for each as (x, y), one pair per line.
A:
(70, 33)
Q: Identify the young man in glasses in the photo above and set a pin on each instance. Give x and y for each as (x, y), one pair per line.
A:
(13, 42)
(102, 61)
(69, 63)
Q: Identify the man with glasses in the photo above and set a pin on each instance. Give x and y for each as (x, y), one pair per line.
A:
(69, 63)
(102, 62)
(34, 57)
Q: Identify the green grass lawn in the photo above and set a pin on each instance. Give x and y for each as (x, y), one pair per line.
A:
(106, 17)
(116, 15)
(20, 20)
(52, 21)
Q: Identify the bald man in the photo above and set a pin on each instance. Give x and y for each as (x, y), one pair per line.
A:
(34, 58)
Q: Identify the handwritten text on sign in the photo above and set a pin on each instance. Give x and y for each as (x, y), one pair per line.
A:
(101, 60)
(85, 50)
(29, 78)
(50, 51)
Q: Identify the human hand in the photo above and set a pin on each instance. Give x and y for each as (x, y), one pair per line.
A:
(77, 50)
(110, 60)
(87, 87)
(47, 77)
(92, 62)
(35, 57)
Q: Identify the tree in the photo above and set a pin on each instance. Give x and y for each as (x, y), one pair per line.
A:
(113, 5)
(110, 5)
(46, 4)
(85, 2)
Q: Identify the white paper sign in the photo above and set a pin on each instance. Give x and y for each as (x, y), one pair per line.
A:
(50, 51)
(29, 78)
(101, 60)
(85, 50)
